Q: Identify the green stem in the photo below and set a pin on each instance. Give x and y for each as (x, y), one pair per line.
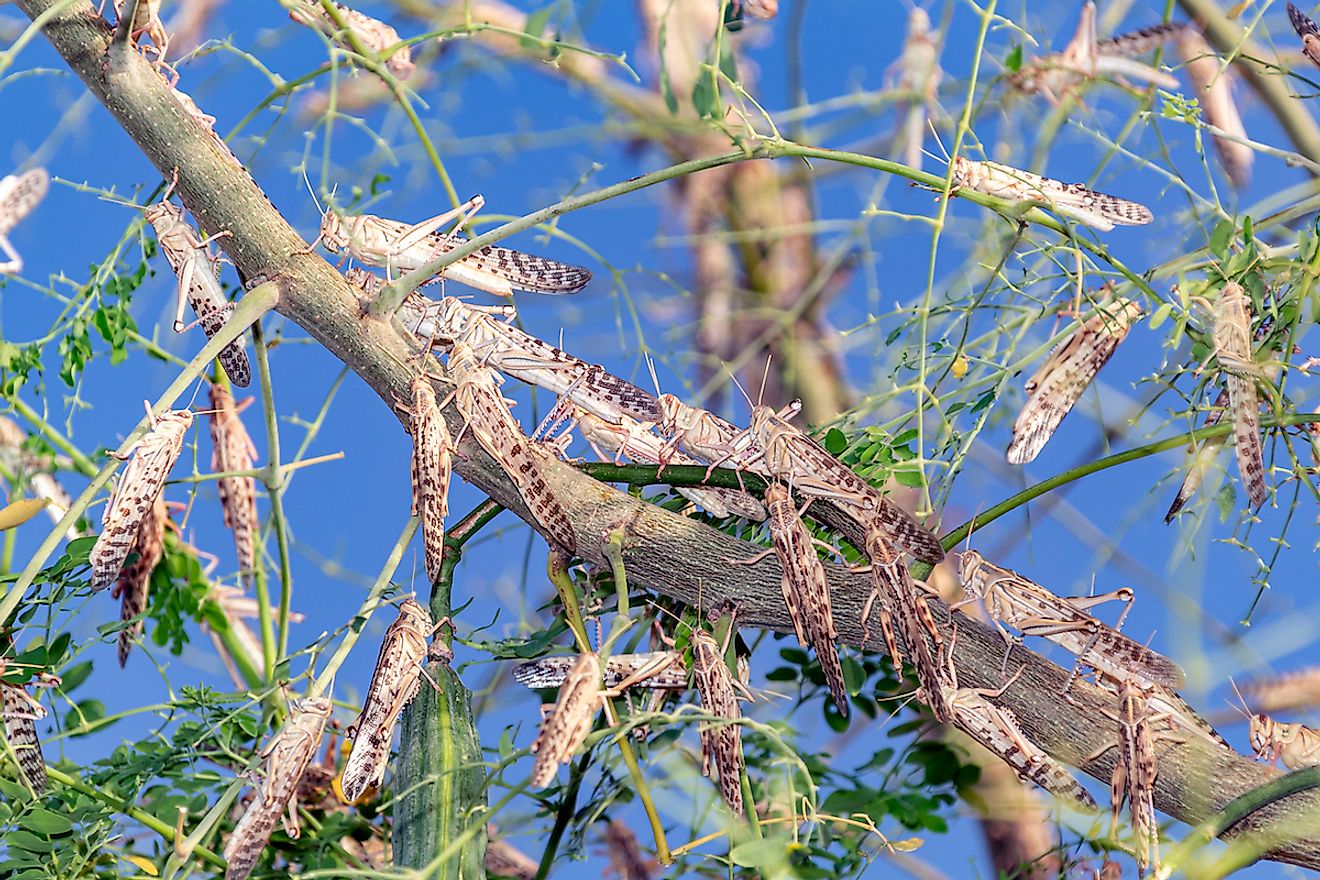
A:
(285, 470)
(439, 819)
(1238, 809)
(249, 309)
(556, 568)
(393, 294)
(563, 815)
(953, 538)
(127, 809)
(274, 482)
(613, 550)
(382, 582)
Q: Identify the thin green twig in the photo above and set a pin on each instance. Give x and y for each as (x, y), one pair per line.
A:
(250, 308)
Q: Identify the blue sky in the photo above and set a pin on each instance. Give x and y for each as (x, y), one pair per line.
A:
(523, 139)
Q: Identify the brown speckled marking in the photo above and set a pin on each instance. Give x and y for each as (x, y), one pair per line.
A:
(396, 680)
(287, 755)
(139, 487)
(1055, 388)
(487, 415)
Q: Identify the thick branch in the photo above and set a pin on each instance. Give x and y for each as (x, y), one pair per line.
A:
(1229, 38)
(667, 553)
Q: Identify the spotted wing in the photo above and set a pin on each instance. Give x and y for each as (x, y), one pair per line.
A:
(1232, 336)
(19, 195)
(22, 732)
(1060, 382)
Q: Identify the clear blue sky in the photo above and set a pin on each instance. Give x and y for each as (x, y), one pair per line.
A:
(524, 139)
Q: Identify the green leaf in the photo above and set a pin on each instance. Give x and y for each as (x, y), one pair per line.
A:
(41, 821)
(705, 95)
(835, 441)
(535, 27)
(1161, 314)
(909, 478)
(1220, 237)
(1246, 229)
(1014, 60)
(21, 839)
(766, 853)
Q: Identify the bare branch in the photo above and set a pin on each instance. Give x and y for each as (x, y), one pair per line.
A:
(1196, 778)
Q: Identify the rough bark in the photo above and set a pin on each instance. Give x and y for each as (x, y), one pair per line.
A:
(667, 553)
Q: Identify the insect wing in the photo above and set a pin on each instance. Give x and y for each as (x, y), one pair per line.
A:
(1060, 382)
(1232, 336)
(139, 487)
(19, 194)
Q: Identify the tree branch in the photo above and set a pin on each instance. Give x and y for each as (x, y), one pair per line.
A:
(664, 552)
(1230, 39)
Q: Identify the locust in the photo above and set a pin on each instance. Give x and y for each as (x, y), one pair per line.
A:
(1073, 200)
(1058, 384)
(19, 196)
(286, 755)
(776, 449)
(147, 21)
(232, 451)
(487, 416)
(626, 858)
(1232, 339)
(1201, 458)
(699, 432)
(206, 120)
(139, 486)
(372, 33)
(1291, 690)
(634, 439)
(804, 587)
(525, 357)
(1137, 766)
(1085, 58)
(920, 81)
(899, 598)
(997, 729)
(485, 329)
(432, 466)
(659, 670)
(21, 711)
(1204, 455)
(199, 285)
(1307, 30)
(393, 685)
(503, 859)
(566, 724)
(235, 606)
(1013, 600)
(1293, 743)
(1214, 93)
(721, 741)
(134, 583)
(400, 247)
